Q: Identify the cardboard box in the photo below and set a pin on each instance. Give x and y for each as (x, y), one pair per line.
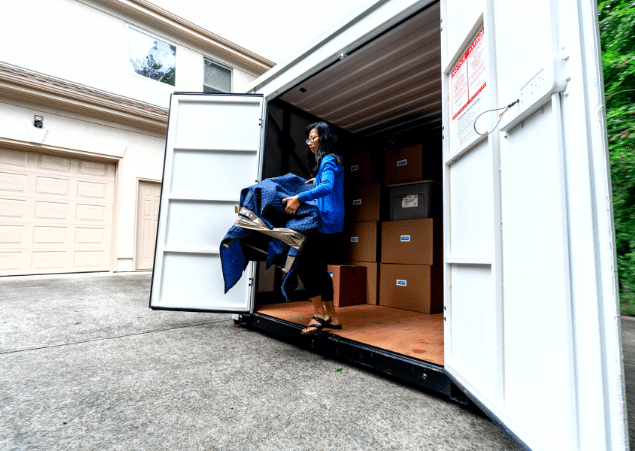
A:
(349, 284)
(365, 203)
(360, 168)
(415, 201)
(412, 242)
(414, 164)
(372, 281)
(362, 242)
(411, 287)
(403, 165)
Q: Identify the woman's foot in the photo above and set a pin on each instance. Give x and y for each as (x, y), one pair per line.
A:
(331, 316)
(317, 322)
(316, 325)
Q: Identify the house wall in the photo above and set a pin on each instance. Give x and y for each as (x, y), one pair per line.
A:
(85, 43)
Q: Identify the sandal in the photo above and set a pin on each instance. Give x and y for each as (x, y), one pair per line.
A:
(327, 324)
(323, 324)
(317, 327)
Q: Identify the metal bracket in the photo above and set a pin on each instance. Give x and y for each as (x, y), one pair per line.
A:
(535, 91)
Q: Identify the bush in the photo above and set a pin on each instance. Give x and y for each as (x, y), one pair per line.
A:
(617, 35)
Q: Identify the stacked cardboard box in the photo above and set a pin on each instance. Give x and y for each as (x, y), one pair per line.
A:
(403, 165)
(349, 284)
(411, 271)
(413, 164)
(362, 247)
(365, 204)
(411, 274)
(360, 168)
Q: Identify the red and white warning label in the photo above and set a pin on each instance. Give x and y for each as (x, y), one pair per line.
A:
(468, 81)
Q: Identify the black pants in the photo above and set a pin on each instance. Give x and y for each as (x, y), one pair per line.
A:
(319, 251)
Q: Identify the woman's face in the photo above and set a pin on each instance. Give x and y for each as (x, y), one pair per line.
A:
(313, 135)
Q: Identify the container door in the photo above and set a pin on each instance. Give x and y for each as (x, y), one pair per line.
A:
(212, 152)
(532, 321)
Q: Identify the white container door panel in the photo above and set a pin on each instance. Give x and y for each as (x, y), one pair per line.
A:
(529, 249)
(212, 153)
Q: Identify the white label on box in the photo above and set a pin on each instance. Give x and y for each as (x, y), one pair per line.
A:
(354, 168)
(410, 201)
(402, 283)
(357, 202)
(330, 274)
(354, 239)
(402, 163)
(405, 238)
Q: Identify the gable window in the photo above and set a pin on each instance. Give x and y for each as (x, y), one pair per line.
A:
(151, 57)
(217, 78)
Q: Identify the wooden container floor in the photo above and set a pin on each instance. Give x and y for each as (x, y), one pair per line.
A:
(414, 334)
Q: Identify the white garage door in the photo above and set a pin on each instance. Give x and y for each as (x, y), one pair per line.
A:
(56, 213)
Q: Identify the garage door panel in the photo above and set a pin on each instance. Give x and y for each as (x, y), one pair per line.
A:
(11, 234)
(10, 261)
(91, 189)
(48, 260)
(12, 208)
(49, 235)
(56, 213)
(54, 164)
(49, 185)
(92, 213)
(90, 235)
(89, 259)
(14, 158)
(51, 210)
(12, 182)
(93, 168)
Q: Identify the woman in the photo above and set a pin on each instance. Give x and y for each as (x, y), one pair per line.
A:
(319, 249)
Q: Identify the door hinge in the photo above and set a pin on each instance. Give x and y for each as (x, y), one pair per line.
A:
(260, 122)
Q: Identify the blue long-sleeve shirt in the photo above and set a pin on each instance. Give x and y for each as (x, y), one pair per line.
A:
(328, 195)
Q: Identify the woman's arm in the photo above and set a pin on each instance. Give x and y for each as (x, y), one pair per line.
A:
(327, 183)
(326, 186)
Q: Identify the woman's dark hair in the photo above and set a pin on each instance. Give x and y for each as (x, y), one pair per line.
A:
(328, 146)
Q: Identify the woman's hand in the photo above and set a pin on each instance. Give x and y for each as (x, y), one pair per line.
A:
(293, 203)
(310, 181)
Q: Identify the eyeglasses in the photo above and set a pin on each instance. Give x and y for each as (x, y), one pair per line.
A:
(310, 140)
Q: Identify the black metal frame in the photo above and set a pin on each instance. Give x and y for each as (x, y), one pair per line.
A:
(413, 371)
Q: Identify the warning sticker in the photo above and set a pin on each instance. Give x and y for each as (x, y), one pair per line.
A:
(409, 201)
(468, 81)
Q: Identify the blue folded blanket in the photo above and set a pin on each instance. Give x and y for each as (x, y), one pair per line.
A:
(262, 224)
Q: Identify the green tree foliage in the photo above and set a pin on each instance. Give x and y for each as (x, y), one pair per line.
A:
(617, 35)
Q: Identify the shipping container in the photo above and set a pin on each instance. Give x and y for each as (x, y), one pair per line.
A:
(507, 101)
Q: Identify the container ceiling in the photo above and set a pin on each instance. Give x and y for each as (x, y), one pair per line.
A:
(392, 85)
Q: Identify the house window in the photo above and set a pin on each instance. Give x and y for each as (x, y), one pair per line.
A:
(217, 78)
(151, 57)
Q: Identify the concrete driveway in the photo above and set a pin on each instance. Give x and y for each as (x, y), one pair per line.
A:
(85, 364)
